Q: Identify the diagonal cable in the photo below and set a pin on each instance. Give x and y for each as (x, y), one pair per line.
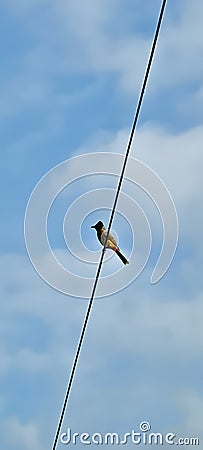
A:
(121, 177)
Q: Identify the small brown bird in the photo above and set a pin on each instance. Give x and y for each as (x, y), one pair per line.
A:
(111, 243)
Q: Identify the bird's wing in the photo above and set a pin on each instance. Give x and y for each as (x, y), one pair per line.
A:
(111, 238)
(111, 243)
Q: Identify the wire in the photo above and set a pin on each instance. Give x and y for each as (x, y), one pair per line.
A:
(89, 308)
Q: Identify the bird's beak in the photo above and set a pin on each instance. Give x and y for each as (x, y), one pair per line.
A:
(93, 226)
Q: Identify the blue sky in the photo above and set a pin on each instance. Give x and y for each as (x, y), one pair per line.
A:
(70, 78)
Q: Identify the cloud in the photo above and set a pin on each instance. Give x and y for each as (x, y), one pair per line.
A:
(176, 157)
(99, 48)
(24, 436)
(191, 403)
(89, 42)
(179, 48)
(141, 330)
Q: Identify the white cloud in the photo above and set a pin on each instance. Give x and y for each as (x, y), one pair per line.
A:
(173, 323)
(179, 48)
(99, 50)
(141, 327)
(24, 436)
(88, 40)
(191, 404)
(177, 158)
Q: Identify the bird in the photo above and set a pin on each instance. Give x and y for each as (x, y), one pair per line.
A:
(111, 243)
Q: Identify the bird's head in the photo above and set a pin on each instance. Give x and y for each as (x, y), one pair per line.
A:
(98, 226)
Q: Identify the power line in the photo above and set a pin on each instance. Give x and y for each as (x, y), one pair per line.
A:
(87, 315)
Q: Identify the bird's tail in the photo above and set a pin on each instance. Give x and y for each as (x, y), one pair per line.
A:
(122, 257)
